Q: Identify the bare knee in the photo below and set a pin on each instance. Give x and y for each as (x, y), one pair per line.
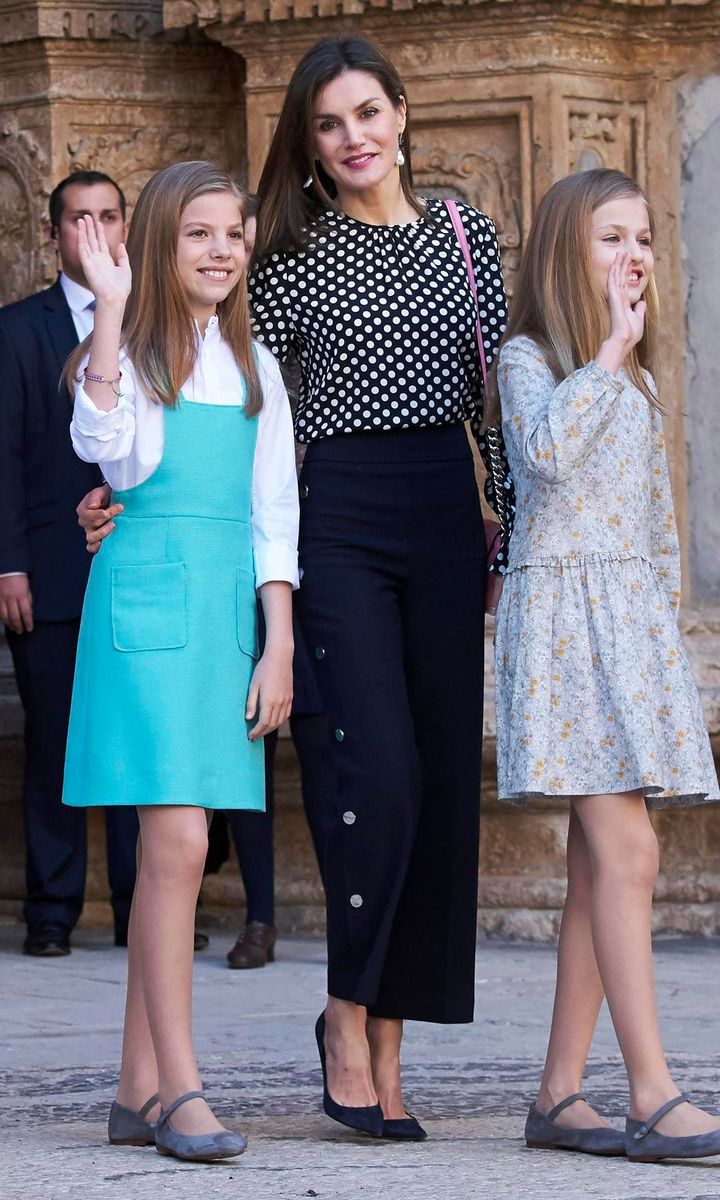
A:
(634, 862)
(175, 850)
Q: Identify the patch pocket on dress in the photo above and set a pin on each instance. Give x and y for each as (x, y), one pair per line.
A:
(246, 606)
(149, 606)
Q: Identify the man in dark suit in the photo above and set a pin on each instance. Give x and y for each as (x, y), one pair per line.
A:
(44, 568)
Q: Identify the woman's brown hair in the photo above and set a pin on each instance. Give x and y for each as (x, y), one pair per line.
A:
(557, 301)
(159, 334)
(287, 209)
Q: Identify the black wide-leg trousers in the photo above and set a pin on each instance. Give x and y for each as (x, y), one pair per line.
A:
(393, 557)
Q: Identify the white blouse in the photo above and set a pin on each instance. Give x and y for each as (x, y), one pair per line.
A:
(128, 442)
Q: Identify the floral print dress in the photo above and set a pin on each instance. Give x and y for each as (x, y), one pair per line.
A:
(595, 693)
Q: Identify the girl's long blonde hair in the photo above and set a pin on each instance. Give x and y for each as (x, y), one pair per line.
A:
(159, 334)
(558, 302)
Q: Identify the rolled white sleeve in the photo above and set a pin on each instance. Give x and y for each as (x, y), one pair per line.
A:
(275, 504)
(101, 437)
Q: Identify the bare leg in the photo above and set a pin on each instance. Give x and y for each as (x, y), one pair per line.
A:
(174, 845)
(384, 1037)
(138, 1068)
(578, 992)
(349, 1072)
(624, 855)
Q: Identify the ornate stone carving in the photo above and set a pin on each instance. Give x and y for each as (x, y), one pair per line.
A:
(99, 20)
(177, 13)
(488, 176)
(16, 250)
(133, 158)
(26, 254)
(605, 134)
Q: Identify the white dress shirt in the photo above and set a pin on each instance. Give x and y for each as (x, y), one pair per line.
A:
(127, 442)
(81, 303)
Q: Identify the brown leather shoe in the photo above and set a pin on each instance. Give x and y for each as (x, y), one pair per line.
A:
(254, 948)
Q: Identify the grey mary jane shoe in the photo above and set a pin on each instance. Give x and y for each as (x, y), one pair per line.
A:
(541, 1133)
(195, 1147)
(129, 1128)
(644, 1144)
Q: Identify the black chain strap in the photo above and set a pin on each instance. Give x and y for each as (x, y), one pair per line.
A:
(497, 472)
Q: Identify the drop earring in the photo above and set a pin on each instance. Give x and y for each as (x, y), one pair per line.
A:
(400, 157)
(308, 182)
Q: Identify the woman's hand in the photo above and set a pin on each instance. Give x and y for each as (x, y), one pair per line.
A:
(108, 279)
(627, 322)
(493, 591)
(271, 691)
(95, 516)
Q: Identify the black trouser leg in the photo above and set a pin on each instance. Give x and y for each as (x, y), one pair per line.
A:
(311, 735)
(252, 834)
(391, 605)
(431, 952)
(372, 829)
(55, 836)
(122, 829)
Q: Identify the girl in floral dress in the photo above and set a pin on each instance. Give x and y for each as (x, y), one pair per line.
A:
(596, 701)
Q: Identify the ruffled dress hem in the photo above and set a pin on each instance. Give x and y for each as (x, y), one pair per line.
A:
(655, 797)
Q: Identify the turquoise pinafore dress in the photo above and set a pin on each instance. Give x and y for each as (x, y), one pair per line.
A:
(168, 638)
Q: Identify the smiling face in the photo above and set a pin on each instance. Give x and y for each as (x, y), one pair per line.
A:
(623, 224)
(211, 251)
(355, 130)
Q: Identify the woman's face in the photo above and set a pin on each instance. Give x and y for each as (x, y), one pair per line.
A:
(211, 251)
(623, 224)
(356, 128)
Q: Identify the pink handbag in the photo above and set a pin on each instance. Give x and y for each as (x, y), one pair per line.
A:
(493, 530)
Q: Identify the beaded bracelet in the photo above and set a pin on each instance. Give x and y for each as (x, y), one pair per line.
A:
(114, 383)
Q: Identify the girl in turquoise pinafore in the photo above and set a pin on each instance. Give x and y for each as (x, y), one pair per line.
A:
(171, 700)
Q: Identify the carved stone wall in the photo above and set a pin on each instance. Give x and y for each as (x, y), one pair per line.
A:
(111, 100)
(699, 119)
(22, 185)
(483, 157)
(25, 167)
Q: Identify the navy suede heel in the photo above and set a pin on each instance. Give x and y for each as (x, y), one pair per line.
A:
(364, 1120)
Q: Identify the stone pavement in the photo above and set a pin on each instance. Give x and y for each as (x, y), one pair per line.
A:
(60, 1026)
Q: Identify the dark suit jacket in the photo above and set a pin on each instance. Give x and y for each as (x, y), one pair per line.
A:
(41, 477)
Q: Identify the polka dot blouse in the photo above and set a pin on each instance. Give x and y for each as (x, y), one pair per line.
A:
(381, 320)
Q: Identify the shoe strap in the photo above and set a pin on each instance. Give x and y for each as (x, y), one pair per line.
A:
(167, 1112)
(555, 1112)
(143, 1112)
(653, 1120)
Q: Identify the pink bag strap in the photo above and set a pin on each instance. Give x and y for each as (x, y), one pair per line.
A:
(459, 228)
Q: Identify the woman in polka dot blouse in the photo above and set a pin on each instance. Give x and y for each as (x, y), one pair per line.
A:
(364, 284)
